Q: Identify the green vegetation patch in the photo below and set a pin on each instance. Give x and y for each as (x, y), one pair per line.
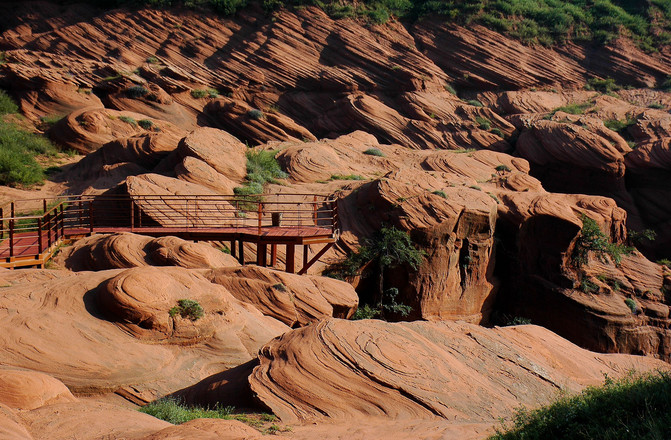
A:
(374, 152)
(636, 407)
(7, 104)
(387, 248)
(174, 411)
(592, 239)
(128, 120)
(187, 308)
(19, 150)
(346, 177)
(262, 168)
(572, 109)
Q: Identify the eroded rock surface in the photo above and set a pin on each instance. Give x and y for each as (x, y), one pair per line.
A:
(423, 370)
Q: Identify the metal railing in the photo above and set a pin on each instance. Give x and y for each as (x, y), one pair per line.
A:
(81, 214)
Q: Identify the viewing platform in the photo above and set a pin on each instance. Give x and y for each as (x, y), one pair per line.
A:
(30, 238)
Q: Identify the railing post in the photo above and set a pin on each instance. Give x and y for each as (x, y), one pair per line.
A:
(80, 211)
(132, 215)
(44, 206)
(39, 236)
(48, 218)
(260, 209)
(314, 211)
(91, 216)
(62, 216)
(11, 234)
(12, 210)
(2, 224)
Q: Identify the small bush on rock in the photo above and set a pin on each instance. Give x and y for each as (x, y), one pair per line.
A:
(374, 152)
(187, 308)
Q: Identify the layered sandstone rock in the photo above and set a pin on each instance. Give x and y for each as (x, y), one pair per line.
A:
(68, 317)
(293, 299)
(103, 251)
(423, 370)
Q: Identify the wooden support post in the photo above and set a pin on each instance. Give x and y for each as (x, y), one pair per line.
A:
(80, 211)
(241, 257)
(2, 224)
(315, 258)
(12, 210)
(44, 206)
(261, 254)
(273, 255)
(306, 250)
(260, 216)
(39, 236)
(291, 258)
(233, 248)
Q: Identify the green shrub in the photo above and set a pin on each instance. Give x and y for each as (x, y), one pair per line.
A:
(502, 168)
(128, 120)
(483, 123)
(374, 152)
(346, 177)
(199, 93)
(255, 114)
(7, 104)
(619, 126)
(136, 92)
(18, 151)
(366, 311)
(212, 93)
(474, 102)
(517, 320)
(631, 304)
(146, 124)
(440, 193)
(665, 262)
(573, 109)
(656, 105)
(497, 131)
(475, 187)
(173, 411)
(588, 286)
(281, 287)
(635, 407)
(248, 189)
(449, 88)
(387, 248)
(592, 239)
(262, 167)
(153, 60)
(602, 85)
(187, 308)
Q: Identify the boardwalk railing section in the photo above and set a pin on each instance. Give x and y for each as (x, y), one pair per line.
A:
(30, 236)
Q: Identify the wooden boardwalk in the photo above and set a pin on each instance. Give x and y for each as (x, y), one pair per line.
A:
(287, 220)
